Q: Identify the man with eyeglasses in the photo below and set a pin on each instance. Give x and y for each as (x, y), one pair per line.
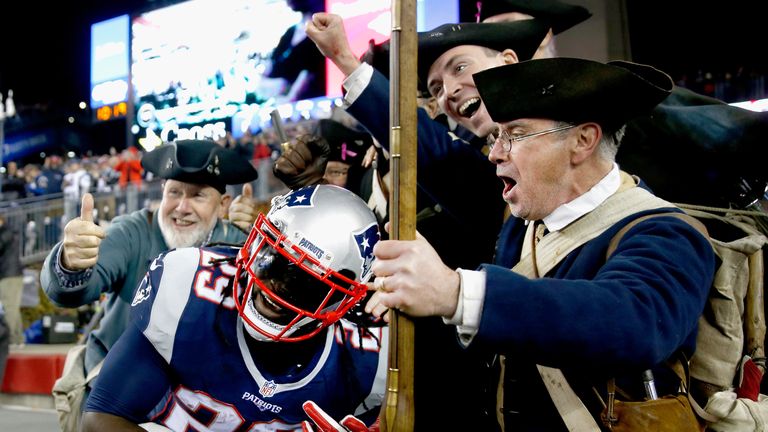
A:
(348, 147)
(727, 142)
(566, 303)
(456, 185)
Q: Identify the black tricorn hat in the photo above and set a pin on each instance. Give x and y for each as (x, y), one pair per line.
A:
(347, 145)
(561, 16)
(524, 37)
(199, 162)
(572, 90)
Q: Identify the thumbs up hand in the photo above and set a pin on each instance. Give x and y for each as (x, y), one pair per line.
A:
(243, 211)
(82, 237)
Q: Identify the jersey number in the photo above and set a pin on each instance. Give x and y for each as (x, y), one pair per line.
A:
(224, 417)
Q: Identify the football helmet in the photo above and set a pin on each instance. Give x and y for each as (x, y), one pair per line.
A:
(305, 263)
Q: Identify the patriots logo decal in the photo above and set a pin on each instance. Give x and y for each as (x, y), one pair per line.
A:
(302, 197)
(365, 241)
(145, 289)
(298, 198)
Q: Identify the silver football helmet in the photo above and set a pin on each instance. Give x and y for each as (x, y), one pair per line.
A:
(305, 263)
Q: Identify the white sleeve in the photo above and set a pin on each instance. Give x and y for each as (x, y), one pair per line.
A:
(356, 83)
(470, 306)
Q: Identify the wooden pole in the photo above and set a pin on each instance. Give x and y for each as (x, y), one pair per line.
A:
(398, 409)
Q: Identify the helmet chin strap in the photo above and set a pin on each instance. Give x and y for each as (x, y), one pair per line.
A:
(267, 326)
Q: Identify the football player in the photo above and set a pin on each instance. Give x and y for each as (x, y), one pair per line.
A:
(230, 339)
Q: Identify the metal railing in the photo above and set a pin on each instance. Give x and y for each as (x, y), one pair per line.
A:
(40, 221)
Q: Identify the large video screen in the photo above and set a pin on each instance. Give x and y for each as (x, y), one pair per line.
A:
(202, 68)
(197, 63)
(109, 68)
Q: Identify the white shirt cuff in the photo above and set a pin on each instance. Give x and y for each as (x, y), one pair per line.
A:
(356, 83)
(470, 305)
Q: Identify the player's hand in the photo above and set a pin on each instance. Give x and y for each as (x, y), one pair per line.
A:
(327, 31)
(243, 211)
(82, 237)
(324, 423)
(303, 162)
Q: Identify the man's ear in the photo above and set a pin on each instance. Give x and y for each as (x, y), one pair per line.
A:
(588, 136)
(226, 200)
(509, 56)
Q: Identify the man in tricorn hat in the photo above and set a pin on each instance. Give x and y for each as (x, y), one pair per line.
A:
(715, 149)
(91, 261)
(449, 201)
(564, 304)
(348, 147)
(560, 16)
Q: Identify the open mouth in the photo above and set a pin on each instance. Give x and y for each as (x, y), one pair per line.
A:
(470, 107)
(509, 183)
(270, 309)
(182, 223)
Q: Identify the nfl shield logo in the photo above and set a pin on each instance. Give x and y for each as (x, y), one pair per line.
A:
(268, 389)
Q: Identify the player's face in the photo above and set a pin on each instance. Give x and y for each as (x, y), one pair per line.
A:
(188, 213)
(283, 281)
(450, 81)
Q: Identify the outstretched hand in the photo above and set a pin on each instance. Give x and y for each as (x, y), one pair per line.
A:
(243, 211)
(303, 162)
(82, 238)
(324, 423)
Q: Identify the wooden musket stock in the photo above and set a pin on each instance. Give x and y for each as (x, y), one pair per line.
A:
(398, 409)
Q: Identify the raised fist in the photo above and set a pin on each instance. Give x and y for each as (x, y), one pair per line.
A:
(303, 162)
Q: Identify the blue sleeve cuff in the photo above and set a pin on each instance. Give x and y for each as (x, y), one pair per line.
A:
(70, 279)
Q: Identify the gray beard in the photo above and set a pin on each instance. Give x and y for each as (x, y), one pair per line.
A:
(175, 240)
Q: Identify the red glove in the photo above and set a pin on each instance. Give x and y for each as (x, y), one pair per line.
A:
(325, 423)
(749, 379)
(303, 162)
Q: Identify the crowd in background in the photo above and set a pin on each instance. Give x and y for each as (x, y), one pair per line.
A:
(116, 170)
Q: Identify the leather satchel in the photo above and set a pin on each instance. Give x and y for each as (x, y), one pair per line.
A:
(672, 413)
(667, 414)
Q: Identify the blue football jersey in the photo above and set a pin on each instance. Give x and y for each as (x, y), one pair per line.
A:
(185, 362)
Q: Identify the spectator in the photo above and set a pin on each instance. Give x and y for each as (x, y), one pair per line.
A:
(348, 148)
(129, 167)
(76, 183)
(52, 176)
(11, 281)
(561, 17)
(90, 262)
(13, 186)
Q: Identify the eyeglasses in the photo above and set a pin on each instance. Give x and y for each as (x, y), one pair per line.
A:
(507, 138)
